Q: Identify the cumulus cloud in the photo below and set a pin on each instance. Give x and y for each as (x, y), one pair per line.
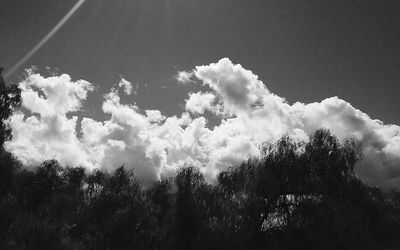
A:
(238, 88)
(200, 102)
(126, 85)
(155, 145)
(155, 116)
(62, 95)
(48, 133)
(184, 77)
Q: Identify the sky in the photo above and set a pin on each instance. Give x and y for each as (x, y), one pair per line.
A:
(297, 51)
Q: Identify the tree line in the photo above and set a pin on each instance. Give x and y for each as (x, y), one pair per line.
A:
(294, 195)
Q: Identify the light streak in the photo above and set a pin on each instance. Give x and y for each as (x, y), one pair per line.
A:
(45, 39)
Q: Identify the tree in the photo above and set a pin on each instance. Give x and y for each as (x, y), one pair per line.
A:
(294, 195)
(10, 98)
(188, 182)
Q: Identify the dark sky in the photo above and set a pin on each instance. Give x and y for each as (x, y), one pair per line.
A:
(302, 50)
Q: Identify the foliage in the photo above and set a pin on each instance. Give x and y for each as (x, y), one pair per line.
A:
(10, 97)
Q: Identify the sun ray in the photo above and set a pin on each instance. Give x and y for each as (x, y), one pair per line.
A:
(45, 39)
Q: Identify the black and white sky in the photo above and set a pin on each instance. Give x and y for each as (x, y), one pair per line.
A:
(158, 88)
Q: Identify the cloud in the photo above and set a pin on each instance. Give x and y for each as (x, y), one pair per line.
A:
(200, 102)
(155, 116)
(238, 88)
(127, 86)
(48, 133)
(184, 77)
(62, 95)
(155, 145)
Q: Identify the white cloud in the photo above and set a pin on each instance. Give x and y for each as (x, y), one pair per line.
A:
(155, 116)
(127, 86)
(199, 102)
(62, 95)
(184, 77)
(155, 145)
(237, 87)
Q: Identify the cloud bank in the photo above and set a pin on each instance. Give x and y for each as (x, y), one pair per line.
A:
(155, 145)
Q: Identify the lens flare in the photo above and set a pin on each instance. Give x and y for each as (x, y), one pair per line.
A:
(45, 39)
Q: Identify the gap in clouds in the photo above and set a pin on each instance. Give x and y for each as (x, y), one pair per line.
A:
(221, 125)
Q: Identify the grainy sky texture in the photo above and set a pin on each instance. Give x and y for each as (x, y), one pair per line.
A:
(303, 51)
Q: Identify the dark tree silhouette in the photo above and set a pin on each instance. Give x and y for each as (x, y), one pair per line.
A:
(295, 195)
(10, 98)
(188, 181)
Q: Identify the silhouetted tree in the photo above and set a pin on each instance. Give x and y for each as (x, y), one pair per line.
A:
(187, 181)
(10, 98)
(294, 195)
